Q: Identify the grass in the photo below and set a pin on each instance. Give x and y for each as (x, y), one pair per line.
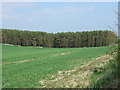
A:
(42, 63)
(106, 77)
(109, 77)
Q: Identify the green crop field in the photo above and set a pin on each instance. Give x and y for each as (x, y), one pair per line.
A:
(26, 67)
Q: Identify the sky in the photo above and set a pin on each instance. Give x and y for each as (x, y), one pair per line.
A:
(56, 17)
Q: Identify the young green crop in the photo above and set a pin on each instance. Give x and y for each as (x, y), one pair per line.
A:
(26, 66)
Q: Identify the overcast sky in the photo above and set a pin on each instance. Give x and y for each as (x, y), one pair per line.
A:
(60, 16)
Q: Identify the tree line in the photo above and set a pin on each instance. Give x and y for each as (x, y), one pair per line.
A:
(59, 40)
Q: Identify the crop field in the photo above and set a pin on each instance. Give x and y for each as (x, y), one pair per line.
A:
(35, 67)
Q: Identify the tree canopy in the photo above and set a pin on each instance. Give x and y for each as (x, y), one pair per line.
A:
(59, 40)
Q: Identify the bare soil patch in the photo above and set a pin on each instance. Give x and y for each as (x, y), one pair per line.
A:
(53, 55)
(58, 54)
(17, 61)
(77, 77)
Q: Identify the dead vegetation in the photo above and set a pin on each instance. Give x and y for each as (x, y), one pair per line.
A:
(77, 77)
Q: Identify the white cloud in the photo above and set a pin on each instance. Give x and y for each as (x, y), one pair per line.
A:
(47, 11)
(6, 16)
(11, 10)
(67, 9)
(15, 5)
(30, 19)
(71, 9)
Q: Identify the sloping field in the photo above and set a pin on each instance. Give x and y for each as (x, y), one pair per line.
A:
(37, 67)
